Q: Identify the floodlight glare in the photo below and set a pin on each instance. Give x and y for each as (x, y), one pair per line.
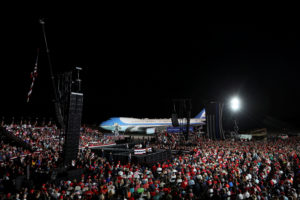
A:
(235, 104)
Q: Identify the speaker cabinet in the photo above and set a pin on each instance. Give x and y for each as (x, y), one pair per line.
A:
(175, 120)
(72, 135)
(214, 124)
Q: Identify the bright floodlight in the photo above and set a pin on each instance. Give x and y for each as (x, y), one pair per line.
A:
(235, 104)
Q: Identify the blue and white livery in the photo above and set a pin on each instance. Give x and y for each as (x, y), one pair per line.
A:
(126, 124)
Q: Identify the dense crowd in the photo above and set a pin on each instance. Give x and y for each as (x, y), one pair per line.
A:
(91, 137)
(176, 141)
(267, 169)
(49, 137)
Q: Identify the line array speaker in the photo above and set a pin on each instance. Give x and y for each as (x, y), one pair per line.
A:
(175, 120)
(214, 121)
(72, 135)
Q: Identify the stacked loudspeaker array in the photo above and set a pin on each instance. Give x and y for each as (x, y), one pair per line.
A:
(214, 116)
(184, 112)
(175, 120)
(71, 145)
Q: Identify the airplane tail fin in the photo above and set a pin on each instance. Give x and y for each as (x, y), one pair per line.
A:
(201, 115)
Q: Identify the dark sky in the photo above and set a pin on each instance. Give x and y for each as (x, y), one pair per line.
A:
(135, 66)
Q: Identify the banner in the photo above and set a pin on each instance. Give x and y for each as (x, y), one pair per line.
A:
(178, 129)
(139, 151)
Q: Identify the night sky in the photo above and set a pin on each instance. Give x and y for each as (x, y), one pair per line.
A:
(134, 67)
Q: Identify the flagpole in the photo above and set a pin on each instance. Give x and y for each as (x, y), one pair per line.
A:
(56, 101)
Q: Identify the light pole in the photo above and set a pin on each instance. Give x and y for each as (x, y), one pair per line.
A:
(235, 105)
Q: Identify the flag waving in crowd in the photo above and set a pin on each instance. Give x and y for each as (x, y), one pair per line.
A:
(33, 76)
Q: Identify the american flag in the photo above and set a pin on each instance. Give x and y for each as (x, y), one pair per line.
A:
(33, 76)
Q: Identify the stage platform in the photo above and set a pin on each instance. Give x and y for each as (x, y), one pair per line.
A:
(121, 153)
(98, 146)
(159, 155)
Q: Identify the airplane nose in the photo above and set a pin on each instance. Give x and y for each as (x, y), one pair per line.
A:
(105, 123)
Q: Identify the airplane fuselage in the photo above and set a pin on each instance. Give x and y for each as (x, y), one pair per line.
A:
(127, 124)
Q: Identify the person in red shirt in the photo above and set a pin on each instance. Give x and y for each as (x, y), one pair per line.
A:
(184, 183)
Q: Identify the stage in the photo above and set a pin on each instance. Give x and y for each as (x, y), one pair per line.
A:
(121, 153)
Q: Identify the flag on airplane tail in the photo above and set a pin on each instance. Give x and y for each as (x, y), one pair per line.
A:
(33, 76)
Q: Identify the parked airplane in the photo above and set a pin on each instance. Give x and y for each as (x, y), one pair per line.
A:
(126, 124)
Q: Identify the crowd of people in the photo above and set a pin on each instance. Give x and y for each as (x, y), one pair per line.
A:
(91, 137)
(265, 169)
(49, 137)
(176, 141)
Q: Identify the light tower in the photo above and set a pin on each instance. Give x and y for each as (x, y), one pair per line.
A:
(235, 105)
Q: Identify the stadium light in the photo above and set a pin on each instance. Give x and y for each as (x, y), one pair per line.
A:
(235, 104)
